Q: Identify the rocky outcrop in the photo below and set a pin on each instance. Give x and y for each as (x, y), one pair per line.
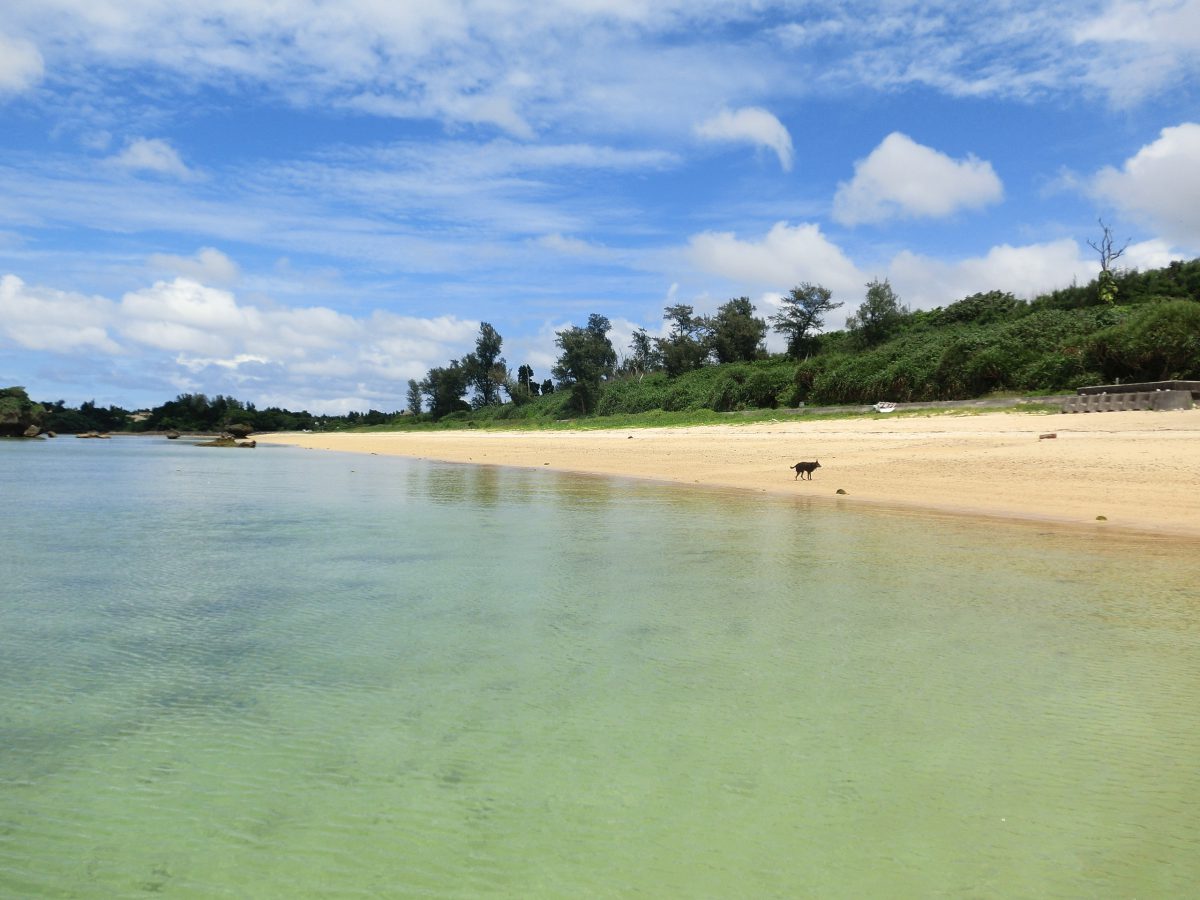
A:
(18, 414)
(172, 435)
(240, 430)
(228, 440)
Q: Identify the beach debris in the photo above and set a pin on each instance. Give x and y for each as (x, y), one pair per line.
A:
(1101, 518)
(1047, 436)
(840, 491)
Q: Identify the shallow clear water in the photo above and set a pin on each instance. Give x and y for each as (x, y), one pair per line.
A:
(286, 673)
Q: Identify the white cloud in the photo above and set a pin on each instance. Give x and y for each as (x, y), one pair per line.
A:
(901, 178)
(784, 257)
(198, 337)
(1152, 254)
(753, 125)
(1145, 45)
(1160, 185)
(151, 155)
(196, 364)
(21, 65)
(186, 315)
(1169, 22)
(575, 248)
(209, 266)
(923, 282)
(55, 321)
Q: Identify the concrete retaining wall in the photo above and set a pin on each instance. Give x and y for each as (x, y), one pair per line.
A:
(1155, 400)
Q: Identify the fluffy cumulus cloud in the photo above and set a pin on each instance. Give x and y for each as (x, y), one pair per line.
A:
(185, 315)
(752, 125)
(215, 343)
(901, 178)
(44, 319)
(924, 282)
(21, 65)
(1160, 185)
(784, 257)
(151, 155)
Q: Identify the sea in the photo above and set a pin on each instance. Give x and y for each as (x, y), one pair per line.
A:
(292, 673)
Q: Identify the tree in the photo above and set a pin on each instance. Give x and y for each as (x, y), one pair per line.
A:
(445, 386)
(735, 334)
(485, 367)
(801, 313)
(878, 317)
(683, 349)
(644, 355)
(523, 388)
(587, 358)
(414, 397)
(1109, 254)
(526, 381)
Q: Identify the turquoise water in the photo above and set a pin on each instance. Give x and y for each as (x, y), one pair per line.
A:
(286, 673)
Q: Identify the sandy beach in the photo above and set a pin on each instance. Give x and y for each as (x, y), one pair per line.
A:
(1139, 470)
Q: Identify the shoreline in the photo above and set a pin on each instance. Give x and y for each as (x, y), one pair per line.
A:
(1139, 470)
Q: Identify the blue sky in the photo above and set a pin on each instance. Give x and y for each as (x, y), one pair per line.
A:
(307, 203)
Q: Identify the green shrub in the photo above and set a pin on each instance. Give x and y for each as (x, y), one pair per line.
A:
(1158, 342)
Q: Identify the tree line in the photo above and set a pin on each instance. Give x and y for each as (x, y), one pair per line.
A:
(197, 413)
(1124, 325)
(588, 359)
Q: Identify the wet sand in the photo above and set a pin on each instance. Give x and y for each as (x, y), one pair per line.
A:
(1139, 470)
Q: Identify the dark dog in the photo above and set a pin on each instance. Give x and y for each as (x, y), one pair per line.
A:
(803, 467)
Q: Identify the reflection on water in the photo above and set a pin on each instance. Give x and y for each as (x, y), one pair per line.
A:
(291, 673)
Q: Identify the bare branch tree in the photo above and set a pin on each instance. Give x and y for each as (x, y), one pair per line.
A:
(1107, 247)
(1109, 253)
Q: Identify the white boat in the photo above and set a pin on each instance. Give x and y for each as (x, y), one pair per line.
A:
(884, 407)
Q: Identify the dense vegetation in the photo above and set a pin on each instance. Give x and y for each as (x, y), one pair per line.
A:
(1123, 326)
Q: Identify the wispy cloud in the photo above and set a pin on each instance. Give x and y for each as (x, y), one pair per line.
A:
(151, 155)
(209, 265)
(752, 125)
(21, 65)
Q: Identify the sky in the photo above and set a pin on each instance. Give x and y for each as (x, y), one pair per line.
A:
(306, 204)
